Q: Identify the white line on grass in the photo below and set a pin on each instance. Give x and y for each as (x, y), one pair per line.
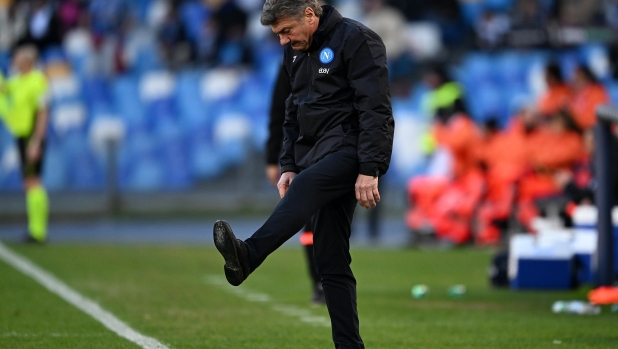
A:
(84, 304)
(289, 310)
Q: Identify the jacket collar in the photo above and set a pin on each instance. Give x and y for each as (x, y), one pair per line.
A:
(328, 20)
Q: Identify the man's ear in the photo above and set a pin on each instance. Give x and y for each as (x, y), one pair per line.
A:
(309, 15)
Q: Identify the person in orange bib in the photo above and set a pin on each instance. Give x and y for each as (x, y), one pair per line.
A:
(501, 156)
(553, 148)
(558, 94)
(588, 95)
(446, 205)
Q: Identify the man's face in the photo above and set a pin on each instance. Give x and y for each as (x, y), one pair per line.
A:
(22, 62)
(295, 33)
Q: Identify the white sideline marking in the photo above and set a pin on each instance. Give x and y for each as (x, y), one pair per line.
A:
(285, 309)
(73, 297)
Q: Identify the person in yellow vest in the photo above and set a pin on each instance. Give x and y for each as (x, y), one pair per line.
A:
(444, 100)
(24, 111)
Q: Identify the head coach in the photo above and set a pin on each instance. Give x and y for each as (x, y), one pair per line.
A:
(338, 137)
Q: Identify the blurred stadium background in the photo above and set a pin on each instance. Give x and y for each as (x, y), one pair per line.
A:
(185, 85)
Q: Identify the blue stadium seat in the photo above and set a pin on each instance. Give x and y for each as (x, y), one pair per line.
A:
(477, 69)
(231, 54)
(124, 164)
(5, 62)
(259, 134)
(127, 101)
(547, 5)
(80, 64)
(511, 69)
(96, 92)
(53, 54)
(232, 153)
(10, 178)
(407, 159)
(515, 101)
(140, 8)
(55, 167)
(161, 111)
(87, 172)
(173, 150)
(175, 157)
(596, 57)
(231, 136)
(417, 98)
(471, 11)
(147, 174)
(147, 59)
(254, 102)
(499, 5)
(66, 118)
(204, 161)
(11, 181)
(568, 61)
(487, 101)
(139, 155)
(268, 57)
(192, 111)
(402, 108)
(255, 96)
(83, 170)
(612, 90)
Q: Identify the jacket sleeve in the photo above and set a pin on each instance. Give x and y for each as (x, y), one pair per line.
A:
(368, 75)
(290, 133)
(277, 116)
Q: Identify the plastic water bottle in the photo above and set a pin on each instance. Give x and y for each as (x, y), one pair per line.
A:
(457, 291)
(419, 291)
(575, 307)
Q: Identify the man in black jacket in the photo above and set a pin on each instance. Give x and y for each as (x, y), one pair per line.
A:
(338, 136)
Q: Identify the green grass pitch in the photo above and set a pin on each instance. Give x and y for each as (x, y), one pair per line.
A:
(165, 293)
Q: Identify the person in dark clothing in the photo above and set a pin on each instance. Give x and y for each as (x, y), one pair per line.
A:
(230, 21)
(273, 151)
(43, 26)
(174, 43)
(275, 127)
(338, 139)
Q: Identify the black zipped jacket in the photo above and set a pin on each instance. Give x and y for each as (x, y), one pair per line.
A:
(340, 97)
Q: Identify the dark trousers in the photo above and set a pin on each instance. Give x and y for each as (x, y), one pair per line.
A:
(326, 192)
(313, 270)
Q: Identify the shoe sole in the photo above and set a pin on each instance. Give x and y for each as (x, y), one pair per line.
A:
(225, 241)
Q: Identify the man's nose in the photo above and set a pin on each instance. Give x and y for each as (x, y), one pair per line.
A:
(284, 40)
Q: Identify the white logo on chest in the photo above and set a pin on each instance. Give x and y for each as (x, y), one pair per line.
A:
(323, 71)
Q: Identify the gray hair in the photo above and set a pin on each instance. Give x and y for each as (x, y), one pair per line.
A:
(275, 10)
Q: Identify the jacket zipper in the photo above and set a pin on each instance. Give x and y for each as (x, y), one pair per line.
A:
(309, 72)
(310, 78)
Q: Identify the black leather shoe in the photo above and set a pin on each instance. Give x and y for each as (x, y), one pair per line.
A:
(233, 251)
